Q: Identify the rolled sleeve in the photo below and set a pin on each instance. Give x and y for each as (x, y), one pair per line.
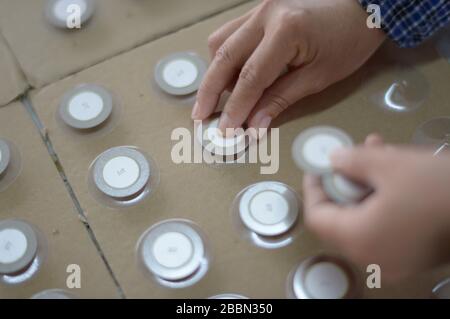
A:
(410, 22)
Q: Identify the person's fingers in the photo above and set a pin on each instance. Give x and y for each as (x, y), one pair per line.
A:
(259, 72)
(217, 38)
(314, 194)
(287, 90)
(374, 139)
(362, 164)
(227, 62)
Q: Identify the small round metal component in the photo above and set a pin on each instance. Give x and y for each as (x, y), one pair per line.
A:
(5, 156)
(59, 12)
(442, 289)
(53, 294)
(210, 137)
(180, 73)
(342, 190)
(269, 208)
(401, 89)
(228, 296)
(18, 246)
(435, 133)
(323, 277)
(311, 150)
(86, 107)
(121, 172)
(172, 250)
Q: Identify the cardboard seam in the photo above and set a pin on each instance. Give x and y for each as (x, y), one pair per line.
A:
(26, 102)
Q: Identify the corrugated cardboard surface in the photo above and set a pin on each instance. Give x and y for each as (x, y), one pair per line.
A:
(39, 197)
(47, 54)
(11, 77)
(203, 193)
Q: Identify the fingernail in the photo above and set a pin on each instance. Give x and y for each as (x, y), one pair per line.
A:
(194, 115)
(226, 125)
(340, 156)
(265, 122)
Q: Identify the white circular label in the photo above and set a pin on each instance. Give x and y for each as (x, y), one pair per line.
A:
(318, 148)
(85, 106)
(180, 73)
(326, 280)
(13, 245)
(63, 8)
(172, 250)
(269, 208)
(121, 172)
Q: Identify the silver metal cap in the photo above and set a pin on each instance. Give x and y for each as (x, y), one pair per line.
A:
(435, 133)
(121, 172)
(18, 246)
(312, 148)
(442, 289)
(5, 156)
(53, 294)
(211, 139)
(324, 277)
(56, 11)
(269, 208)
(180, 73)
(172, 250)
(86, 107)
(228, 296)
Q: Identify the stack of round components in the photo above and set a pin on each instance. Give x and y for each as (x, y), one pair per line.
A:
(174, 252)
(223, 149)
(268, 209)
(323, 277)
(311, 152)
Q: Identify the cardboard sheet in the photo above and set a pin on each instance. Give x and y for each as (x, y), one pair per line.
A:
(39, 197)
(12, 80)
(47, 54)
(203, 193)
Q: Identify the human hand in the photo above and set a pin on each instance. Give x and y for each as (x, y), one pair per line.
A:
(319, 42)
(404, 226)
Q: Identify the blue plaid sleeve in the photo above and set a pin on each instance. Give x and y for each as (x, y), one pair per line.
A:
(410, 22)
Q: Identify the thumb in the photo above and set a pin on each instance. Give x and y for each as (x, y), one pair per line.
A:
(362, 164)
(287, 90)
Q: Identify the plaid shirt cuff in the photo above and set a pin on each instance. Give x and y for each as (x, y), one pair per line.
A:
(410, 22)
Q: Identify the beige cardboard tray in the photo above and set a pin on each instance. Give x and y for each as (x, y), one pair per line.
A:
(39, 197)
(12, 80)
(203, 193)
(47, 54)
